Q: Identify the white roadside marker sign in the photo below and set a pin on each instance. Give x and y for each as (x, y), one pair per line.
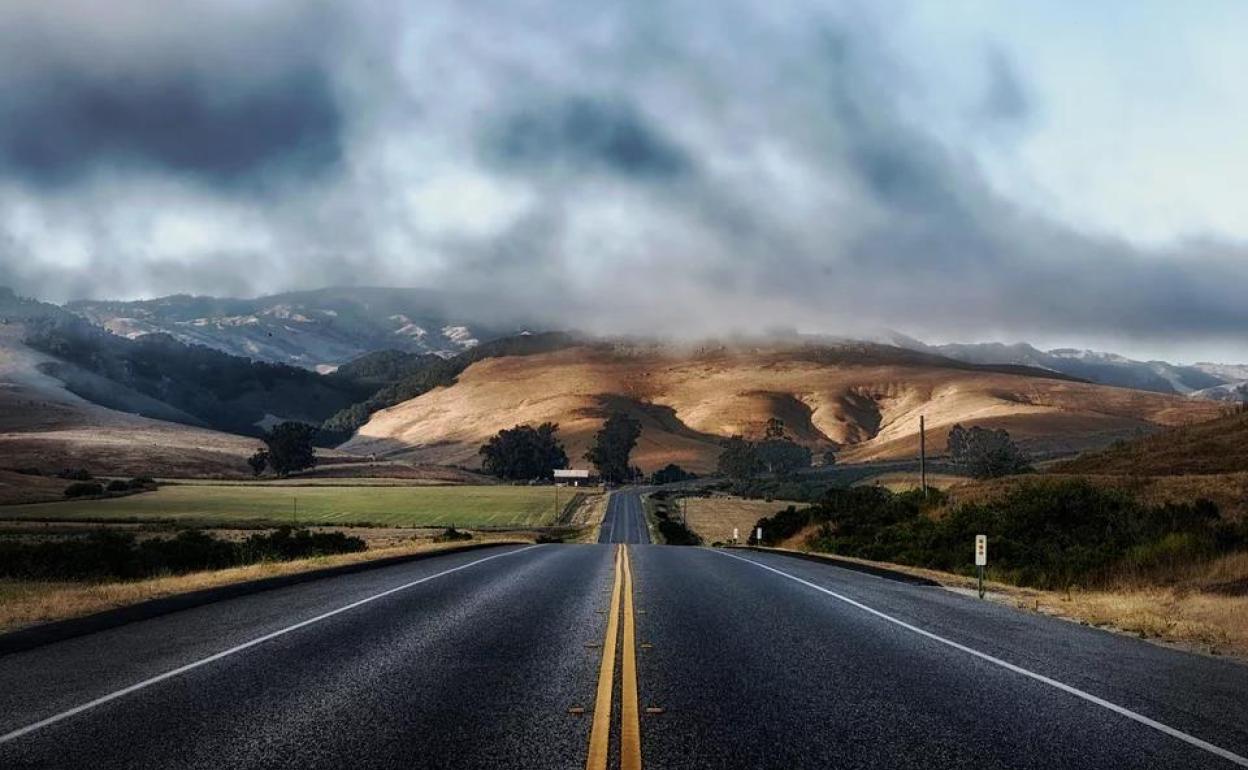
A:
(981, 559)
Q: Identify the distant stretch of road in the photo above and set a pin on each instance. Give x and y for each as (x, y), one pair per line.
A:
(620, 656)
(625, 521)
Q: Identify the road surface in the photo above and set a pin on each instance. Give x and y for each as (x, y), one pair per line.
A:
(624, 521)
(505, 658)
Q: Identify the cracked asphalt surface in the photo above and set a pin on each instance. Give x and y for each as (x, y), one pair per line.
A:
(478, 665)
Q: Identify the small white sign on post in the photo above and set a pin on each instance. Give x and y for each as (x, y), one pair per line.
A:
(981, 560)
(735, 534)
(758, 535)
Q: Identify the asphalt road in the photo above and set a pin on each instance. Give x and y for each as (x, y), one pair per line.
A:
(738, 660)
(624, 521)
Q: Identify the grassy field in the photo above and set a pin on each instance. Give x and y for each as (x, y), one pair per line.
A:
(218, 504)
(714, 517)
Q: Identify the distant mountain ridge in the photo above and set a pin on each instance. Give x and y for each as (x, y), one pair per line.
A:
(327, 328)
(318, 330)
(1201, 380)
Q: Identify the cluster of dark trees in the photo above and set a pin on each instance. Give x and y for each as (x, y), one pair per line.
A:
(288, 447)
(524, 452)
(986, 453)
(670, 474)
(776, 454)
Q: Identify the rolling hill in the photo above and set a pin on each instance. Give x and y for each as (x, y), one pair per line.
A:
(1216, 446)
(43, 425)
(860, 398)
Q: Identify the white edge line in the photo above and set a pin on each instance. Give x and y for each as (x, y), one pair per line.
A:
(18, 733)
(1128, 713)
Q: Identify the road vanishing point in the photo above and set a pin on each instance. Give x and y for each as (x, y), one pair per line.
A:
(620, 654)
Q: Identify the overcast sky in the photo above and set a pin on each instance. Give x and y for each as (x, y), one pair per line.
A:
(1062, 172)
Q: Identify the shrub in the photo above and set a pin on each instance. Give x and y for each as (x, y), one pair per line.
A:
(75, 474)
(84, 489)
(108, 554)
(117, 485)
(452, 535)
(675, 533)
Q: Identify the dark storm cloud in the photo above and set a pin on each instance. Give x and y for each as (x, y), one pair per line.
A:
(581, 133)
(768, 170)
(60, 126)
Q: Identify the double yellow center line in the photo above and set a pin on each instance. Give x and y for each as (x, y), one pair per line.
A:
(630, 726)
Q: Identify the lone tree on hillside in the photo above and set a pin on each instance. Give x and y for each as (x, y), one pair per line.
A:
(829, 458)
(613, 443)
(524, 452)
(986, 453)
(259, 461)
(774, 429)
(290, 447)
(739, 459)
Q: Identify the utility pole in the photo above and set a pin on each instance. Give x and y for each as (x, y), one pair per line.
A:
(923, 454)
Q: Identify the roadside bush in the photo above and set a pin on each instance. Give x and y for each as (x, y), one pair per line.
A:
(675, 533)
(286, 543)
(452, 535)
(84, 489)
(108, 554)
(117, 485)
(780, 526)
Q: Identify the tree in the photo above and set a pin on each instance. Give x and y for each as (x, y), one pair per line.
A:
(258, 461)
(524, 452)
(290, 447)
(613, 443)
(781, 456)
(829, 458)
(739, 459)
(774, 429)
(986, 453)
(671, 473)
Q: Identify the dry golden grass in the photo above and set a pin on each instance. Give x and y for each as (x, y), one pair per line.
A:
(1216, 447)
(900, 481)
(1228, 490)
(714, 518)
(24, 603)
(687, 402)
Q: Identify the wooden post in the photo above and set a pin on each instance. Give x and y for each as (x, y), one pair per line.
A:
(923, 454)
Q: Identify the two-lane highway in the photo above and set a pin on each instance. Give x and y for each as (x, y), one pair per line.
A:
(628, 656)
(625, 520)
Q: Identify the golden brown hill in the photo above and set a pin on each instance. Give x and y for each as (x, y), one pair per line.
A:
(1215, 446)
(43, 425)
(866, 401)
